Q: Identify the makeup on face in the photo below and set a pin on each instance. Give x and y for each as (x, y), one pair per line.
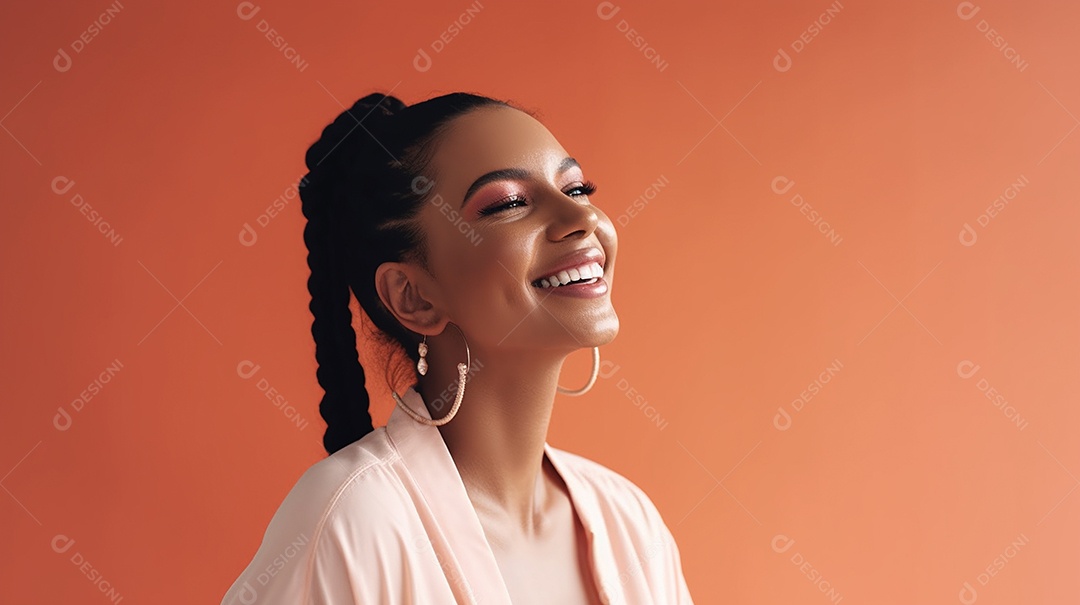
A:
(493, 195)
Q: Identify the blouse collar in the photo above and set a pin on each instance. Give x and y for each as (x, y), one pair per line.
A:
(425, 454)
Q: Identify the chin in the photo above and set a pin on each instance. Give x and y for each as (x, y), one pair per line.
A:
(605, 331)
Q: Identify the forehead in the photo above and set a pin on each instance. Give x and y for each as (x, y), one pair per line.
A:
(492, 138)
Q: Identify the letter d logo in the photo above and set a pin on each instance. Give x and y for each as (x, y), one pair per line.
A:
(782, 420)
(247, 235)
(247, 10)
(62, 543)
(966, 10)
(62, 61)
(606, 10)
(62, 184)
(968, 595)
(422, 61)
(788, 184)
(246, 369)
(248, 594)
(608, 369)
(782, 62)
(968, 236)
(966, 369)
(781, 543)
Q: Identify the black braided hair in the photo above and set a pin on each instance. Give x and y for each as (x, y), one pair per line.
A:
(360, 197)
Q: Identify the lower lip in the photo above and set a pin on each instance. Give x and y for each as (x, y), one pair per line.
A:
(585, 290)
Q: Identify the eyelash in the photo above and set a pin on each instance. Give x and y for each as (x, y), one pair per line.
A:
(587, 188)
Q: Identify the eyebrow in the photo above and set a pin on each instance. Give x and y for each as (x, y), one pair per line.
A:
(512, 174)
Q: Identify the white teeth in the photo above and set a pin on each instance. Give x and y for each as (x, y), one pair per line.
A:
(586, 271)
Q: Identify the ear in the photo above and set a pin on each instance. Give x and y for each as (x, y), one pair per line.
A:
(406, 290)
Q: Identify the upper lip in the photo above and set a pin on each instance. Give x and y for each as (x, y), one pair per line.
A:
(573, 260)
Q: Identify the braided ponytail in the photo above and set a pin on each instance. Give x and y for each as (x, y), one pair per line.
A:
(360, 204)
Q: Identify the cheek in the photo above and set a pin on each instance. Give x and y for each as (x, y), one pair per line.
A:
(483, 271)
(500, 262)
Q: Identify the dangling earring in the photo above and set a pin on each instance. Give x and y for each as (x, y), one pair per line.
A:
(421, 366)
(592, 378)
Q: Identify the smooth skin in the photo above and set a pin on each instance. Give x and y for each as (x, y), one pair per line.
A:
(481, 281)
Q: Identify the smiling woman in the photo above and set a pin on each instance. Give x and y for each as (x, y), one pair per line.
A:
(469, 505)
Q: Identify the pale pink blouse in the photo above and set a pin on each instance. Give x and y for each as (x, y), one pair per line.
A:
(387, 520)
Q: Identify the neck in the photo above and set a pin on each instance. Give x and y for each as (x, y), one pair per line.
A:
(497, 436)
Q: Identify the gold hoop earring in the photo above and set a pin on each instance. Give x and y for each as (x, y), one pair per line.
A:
(592, 378)
(463, 371)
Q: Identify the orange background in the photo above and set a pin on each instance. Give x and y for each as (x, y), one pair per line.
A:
(943, 444)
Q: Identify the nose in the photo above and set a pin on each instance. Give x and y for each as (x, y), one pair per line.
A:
(571, 217)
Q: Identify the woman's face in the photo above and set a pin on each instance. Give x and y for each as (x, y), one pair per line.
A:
(491, 239)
